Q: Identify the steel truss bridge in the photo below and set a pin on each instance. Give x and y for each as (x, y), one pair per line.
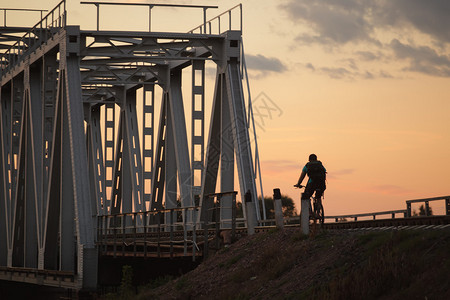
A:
(79, 139)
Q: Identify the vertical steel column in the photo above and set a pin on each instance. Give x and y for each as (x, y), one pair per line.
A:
(209, 179)
(67, 209)
(16, 113)
(33, 164)
(226, 161)
(109, 125)
(49, 83)
(116, 192)
(19, 210)
(3, 218)
(15, 125)
(95, 154)
(170, 167)
(85, 219)
(181, 144)
(158, 173)
(147, 141)
(197, 125)
(48, 253)
(240, 133)
(134, 149)
(5, 211)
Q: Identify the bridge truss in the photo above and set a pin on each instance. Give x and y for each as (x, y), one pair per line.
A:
(78, 138)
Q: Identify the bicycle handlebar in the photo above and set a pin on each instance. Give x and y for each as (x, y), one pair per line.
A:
(299, 186)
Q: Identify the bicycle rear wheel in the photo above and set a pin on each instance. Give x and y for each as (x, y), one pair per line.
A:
(318, 211)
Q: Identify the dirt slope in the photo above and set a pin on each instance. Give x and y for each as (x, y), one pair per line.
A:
(284, 264)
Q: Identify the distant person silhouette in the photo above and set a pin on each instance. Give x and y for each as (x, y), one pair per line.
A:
(317, 176)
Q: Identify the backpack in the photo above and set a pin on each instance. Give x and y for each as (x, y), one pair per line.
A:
(316, 173)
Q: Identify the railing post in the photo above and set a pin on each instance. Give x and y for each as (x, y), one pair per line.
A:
(251, 214)
(145, 233)
(194, 233)
(171, 232)
(304, 215)
(134, 233)
(185, 231)
(427, 208)
(205, 236)
(158, 248)
(115, 235)
(408, 209)
(278, 208)
(99, 232)
(233, 218)
(124, 219)
(447, 206)
(217, 217)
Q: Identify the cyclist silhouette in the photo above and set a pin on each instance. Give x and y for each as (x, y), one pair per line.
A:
(317, 175)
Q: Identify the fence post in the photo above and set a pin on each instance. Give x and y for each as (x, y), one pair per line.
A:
(278, 208)
(251, 213)
(408, 209)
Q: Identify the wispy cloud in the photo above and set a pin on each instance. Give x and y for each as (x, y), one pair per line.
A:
(388, 189)
(336, 174)
(264, 65)
(422, 59)
(276, 167)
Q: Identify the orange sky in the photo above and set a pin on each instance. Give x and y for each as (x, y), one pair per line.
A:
(363, 84)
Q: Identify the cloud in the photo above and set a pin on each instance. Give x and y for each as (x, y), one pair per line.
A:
(332, 21)
(277, 167)
(422, 59)
(379, 32)
(430, 17)
(336, 174)
(348, 73)
(343, 21)
(264, 64)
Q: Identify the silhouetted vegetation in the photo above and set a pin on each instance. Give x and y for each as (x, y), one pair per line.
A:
(287, 205)
(423, 212)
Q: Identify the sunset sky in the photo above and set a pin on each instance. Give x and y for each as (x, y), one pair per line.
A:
(364, 84)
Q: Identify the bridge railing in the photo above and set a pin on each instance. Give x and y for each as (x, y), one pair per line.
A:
(340, 218)
(130, 228)
(213, 26)
(218, 223)
(374, 215)
(427, 201)
(35, 37)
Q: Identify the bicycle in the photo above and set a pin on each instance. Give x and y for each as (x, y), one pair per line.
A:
(318, 212)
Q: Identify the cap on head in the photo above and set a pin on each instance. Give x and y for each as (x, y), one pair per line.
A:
(312, 157)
